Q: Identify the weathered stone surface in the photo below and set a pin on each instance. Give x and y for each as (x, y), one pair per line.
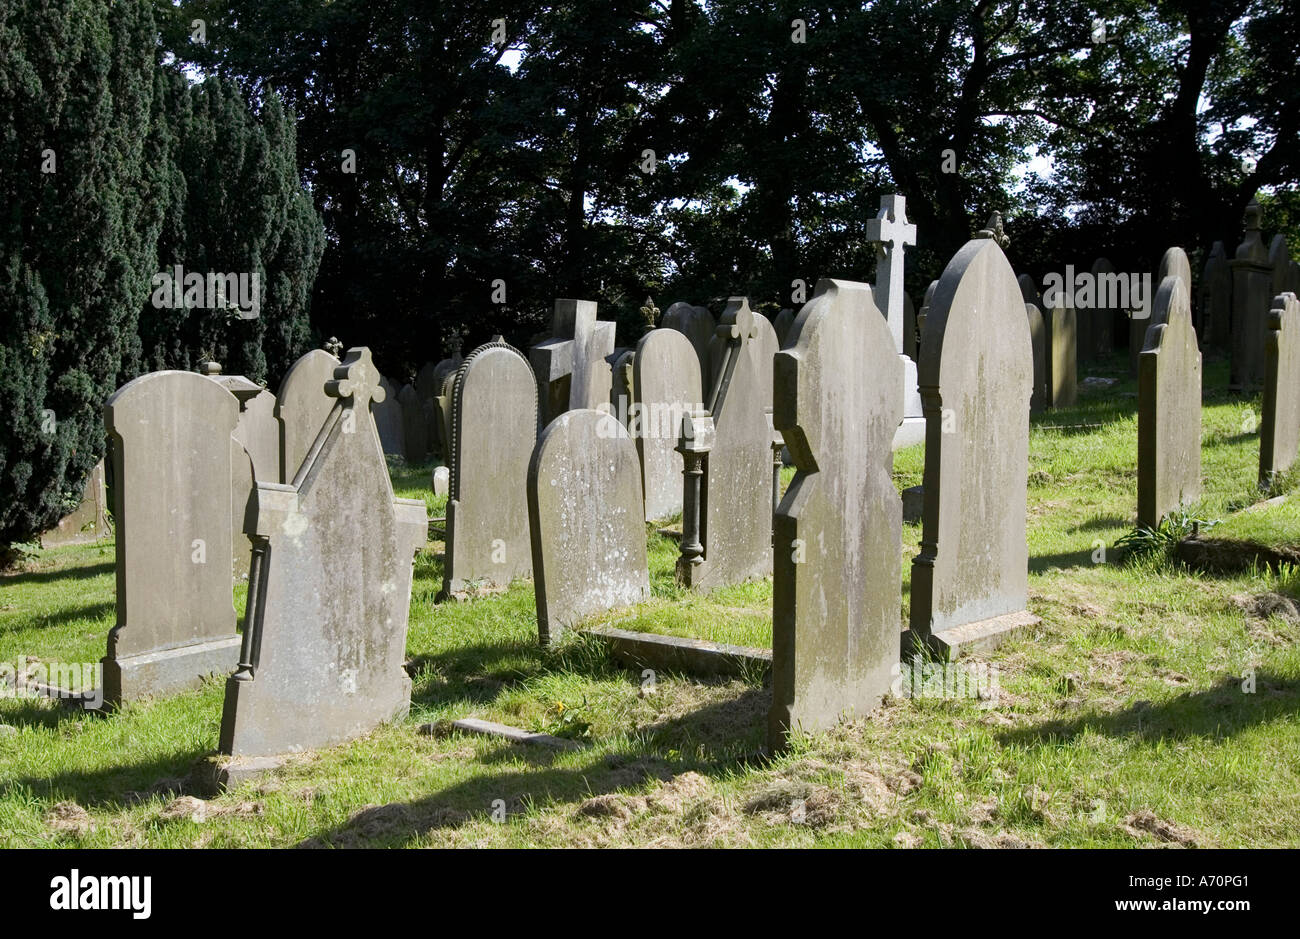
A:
(837, 588)
(976, 374)
(1173, 263)
(1216, 298)
(913, 504)
(1169, 404)
(571, 367)
(681, 653)
(1062, 357)
(587, 520)
(441, 480)
(666, 386)
(781, 325)
(1279, 431)
(89, 520)
(892, 234)
(1279, 259)
(437, 400)
(388, 420)
(493, 430)
(1252, 279)
(1103, 316)
(301, 406)
(415, 425)
(170, 436)
(734, 518)
(697, 324)
(1038, 341)
(322, 657)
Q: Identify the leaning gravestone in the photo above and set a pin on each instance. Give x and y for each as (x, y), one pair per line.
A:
(571, 367)
(415, 425)
(1252, 279)
(1169, 405)
(1062, 357)
(170, 435)
(837, 588)
(728, 498)
(697, 324)
(301, 407)
(1216, 298)
(587, 521)
(666, 386)
(322, 657)
(1038, 340)
(1279, 431)
(970, 581)
(493, 430)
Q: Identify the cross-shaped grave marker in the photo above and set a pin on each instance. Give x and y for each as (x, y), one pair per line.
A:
(572, 371)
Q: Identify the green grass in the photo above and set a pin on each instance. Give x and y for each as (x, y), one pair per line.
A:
(1125, 705)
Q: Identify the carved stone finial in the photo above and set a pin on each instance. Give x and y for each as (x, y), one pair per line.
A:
(357, 378)
(334, 347)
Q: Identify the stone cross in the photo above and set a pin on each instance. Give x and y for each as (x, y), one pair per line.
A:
(892, 233)
(357, 379)
(570, 366)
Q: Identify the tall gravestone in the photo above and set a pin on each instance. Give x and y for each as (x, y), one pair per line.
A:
(697, 324)
(493, 430)
(301, 406)
(388, 420)
(727, 502)
(1169, 404)
(893, 233)
(1105, 311)
(970, 580)
(1279, 258)
(837, 589)
(89, 520)
(170, 437)
(572, 368)
(1279, 431)
(1038, 342)
(781, 325)
(321, 660)
(587, 521)
(1062, 357)
(415, 425)
(1252, 280)
(1216, 299)
(666, 386)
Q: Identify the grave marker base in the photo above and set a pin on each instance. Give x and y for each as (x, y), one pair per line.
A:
(168, 671)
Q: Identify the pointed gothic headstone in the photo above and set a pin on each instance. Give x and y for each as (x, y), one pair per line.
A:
(571, 367)
(837, 588)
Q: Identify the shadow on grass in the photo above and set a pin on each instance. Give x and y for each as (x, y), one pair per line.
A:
(1218, 712)
(1103, 523)
(661, 752)
(65, 615)
(79, 572)
(116, 787)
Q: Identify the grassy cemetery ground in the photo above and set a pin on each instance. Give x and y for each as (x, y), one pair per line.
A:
(1120, 721)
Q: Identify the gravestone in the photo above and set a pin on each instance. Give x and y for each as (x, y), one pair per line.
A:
(909, 329)
(666, 386)
(571, 367)
(1252, 280)
(1029, 290)
(301, 406)
(728, 497)
(321, 661)
(1173, 263)
(388, 420)
(587, 521)
(1169, 404)
(1062, 357)
(837, 588)
(440, 479)
(493, 430)
(781, 325)
(923, 313)
(440, 421)
(970, 580)
(1105, 311)
(1279, 431)
(170, 438)
(699, 326)
(415, 425)
(442, 407)
(1279, 258)
(622, 393)
(1216, 299)
(89, 520)
(1038, 341)
(892, 233)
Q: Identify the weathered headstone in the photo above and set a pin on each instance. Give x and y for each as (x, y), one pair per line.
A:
(892, 233)
(1062, 357)
(587, 520)
(1105, 311)
(699, 326)
(1279, 258)
(1252, 280)
(441, 481)
(321, 661)
(666, 386)
(1169, 404)
(493, 430)
(837, 591)
(1279, 432)
(440, 422)
(1038, 341)
(727, 504)
(301, 406)
(571, 367)
(415, 425)
(910, 332)
(388, 420)
(1216, 299)
(1029, 290)
(89, 520)
(970, 580)
(781, 325)
(170, 435)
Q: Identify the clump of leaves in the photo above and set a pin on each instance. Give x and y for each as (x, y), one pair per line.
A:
(1284, 580)
(563, 720)
(1146, 542)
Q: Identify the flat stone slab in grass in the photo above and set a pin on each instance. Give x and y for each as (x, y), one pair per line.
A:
(681, 653)
(219, 774)
(473, 725)
(980, 636)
